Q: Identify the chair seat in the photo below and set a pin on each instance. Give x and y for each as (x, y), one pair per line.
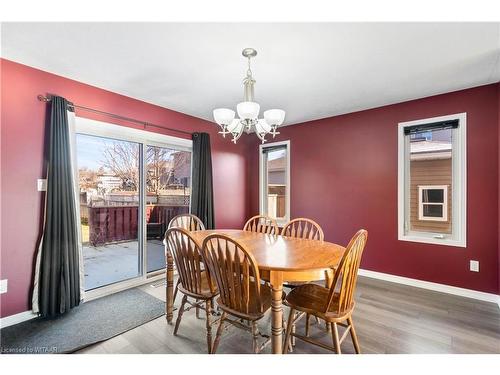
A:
(312, 299)
(254, 312)
(205, 288)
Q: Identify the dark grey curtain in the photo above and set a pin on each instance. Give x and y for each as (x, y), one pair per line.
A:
(202, 195)
(59, 278)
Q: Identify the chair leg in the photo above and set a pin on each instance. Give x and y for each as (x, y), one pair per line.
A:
(307, 324)
(179, 315)
(289, 326)
(176, 289)
(209, 326)
(353, 336)
(284, 324)
(255, 336)
(219, 333)
(197, 310)
(328, 284)
(335, 337)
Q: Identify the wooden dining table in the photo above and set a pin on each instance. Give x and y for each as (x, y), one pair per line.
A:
(280, 259)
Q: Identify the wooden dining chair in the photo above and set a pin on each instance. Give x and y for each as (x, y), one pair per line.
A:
(241, 294)
(303, 228)
(310, 230)
(189, 222)
(195, 280)
(261, 224)
(335, 305)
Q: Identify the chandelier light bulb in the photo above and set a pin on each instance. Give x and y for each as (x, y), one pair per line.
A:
(248, 110)
(274, 116)
(262, 126)
(223, 116)
(234, 125)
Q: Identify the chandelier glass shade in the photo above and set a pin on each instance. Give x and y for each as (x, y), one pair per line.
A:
(248, 112)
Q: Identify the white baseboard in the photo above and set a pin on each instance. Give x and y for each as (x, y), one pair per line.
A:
(17, 318)
(469, 293)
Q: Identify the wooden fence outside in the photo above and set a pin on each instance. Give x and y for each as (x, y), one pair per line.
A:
(120, 223)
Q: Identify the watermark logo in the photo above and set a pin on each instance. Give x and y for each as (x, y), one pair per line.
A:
(29, 350)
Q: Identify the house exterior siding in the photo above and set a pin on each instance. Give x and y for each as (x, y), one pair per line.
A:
(429, 172)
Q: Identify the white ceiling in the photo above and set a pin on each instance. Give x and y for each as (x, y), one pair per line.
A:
(311, 70)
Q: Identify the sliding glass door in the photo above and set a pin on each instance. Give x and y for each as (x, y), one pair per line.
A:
(109, 182)
(131, 184)
(168, 183)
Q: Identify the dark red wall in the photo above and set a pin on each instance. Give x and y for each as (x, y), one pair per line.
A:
(22, 163)
(344, 175)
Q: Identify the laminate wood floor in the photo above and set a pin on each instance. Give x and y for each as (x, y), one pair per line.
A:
(389, 318)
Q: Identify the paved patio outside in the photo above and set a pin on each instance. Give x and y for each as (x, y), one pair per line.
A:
(108, 264)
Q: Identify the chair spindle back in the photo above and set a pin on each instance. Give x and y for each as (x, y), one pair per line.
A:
(347, 273)
(303, 228)
(235, 271)
(188, 260)
(261, 224)
(186, 221)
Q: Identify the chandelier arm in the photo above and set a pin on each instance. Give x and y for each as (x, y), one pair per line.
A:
(237, 136)
(274, 131)
(223, 130)
(223, 133)
(262, 136)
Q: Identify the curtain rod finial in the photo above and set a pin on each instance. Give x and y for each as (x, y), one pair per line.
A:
(43, 98)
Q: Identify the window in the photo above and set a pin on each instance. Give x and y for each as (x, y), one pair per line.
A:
(427, 136)
(274, 195)
(432, 180)
(433, 202)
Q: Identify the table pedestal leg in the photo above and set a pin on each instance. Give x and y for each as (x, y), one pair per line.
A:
(276, 280)
(170, 287)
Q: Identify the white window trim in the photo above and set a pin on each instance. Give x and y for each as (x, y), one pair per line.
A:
(421, 203)
(262, 192)
(459, 191)
(144, 137)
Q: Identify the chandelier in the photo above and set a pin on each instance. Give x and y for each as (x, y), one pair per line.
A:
(248, 112)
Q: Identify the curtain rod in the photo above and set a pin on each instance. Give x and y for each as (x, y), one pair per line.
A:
(46, 99)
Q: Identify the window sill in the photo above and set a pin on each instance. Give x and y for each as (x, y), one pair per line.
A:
(433, 241)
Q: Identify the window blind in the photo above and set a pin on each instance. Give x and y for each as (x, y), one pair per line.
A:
(421, 128)
(266, 150)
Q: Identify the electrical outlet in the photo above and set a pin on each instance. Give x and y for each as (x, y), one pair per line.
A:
(3, 286)
(474, 265)
(41, 184)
